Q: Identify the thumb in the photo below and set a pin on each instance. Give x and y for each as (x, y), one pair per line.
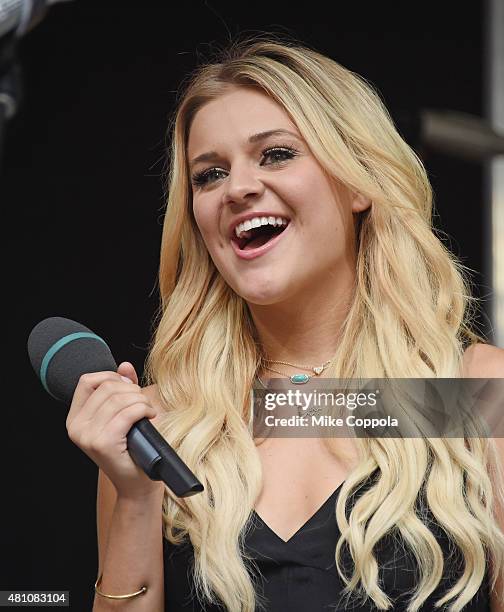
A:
(128, 369)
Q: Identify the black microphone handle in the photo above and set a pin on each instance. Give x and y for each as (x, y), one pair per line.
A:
(61, 351)
(152, 453)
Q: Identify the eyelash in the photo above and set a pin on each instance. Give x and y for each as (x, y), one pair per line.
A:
(201, 178)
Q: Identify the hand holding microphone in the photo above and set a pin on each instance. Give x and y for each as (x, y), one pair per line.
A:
(109, 417)
(105, 406)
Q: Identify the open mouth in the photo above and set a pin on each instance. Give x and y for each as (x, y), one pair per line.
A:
(257, 236)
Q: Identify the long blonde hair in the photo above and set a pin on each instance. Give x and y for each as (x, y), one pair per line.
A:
(409, 318)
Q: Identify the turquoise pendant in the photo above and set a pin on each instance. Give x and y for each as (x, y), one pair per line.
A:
(299, 379)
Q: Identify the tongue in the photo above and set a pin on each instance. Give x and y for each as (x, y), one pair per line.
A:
(259, 236)
(258, 241)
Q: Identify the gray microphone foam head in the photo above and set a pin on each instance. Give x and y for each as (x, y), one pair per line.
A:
(61, 350)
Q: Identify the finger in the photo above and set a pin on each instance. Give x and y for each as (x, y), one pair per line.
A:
(86, 385)
(100, 398)
(93, 391)
(119, 426)
(127, 369)
(116, 404)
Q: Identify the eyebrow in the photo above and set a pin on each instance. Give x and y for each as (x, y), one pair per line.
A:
(210, 155)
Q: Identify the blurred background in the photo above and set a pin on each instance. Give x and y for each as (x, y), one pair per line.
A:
(86, 98)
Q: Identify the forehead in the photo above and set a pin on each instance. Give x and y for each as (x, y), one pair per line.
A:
(233, 116)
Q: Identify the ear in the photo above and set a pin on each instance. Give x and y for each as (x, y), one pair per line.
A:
(360, 202)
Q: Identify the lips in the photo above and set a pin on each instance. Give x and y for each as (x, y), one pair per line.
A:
(248, 254)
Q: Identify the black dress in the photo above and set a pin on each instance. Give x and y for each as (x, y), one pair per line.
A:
(300, 575)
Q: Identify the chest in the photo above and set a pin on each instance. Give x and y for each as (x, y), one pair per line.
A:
(299, 475)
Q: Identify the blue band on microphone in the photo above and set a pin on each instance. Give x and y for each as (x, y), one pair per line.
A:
(59, 345)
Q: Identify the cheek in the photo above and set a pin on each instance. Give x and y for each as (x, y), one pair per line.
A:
(202, 218)
(207, 221)
(320, 214)
(196, 211)
(306, 188)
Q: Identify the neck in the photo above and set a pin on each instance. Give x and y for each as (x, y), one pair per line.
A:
(300, 331)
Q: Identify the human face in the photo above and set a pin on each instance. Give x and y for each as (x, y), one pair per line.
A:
(275, 176)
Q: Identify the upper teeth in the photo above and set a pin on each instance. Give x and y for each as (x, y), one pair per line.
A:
(257, 222)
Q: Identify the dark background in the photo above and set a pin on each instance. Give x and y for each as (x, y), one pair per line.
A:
(82, 190)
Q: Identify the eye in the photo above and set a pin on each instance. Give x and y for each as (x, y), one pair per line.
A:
(278, 155)
(282, 152)
(202, 178)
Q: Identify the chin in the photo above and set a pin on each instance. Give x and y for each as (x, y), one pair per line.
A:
(260, 301)
(261, 295)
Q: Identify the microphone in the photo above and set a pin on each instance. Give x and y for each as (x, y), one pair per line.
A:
(61, 351)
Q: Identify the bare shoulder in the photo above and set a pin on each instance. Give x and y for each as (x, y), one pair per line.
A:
(487, 361)
(483, 361)
(152, 394)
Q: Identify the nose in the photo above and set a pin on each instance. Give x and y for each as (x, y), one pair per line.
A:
(242, 185)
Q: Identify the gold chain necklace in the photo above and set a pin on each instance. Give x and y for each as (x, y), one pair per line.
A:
(298, 379)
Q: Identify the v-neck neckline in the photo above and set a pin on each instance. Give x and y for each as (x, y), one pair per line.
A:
(305, 524)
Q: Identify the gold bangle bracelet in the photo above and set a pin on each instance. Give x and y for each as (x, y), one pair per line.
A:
(128, 596)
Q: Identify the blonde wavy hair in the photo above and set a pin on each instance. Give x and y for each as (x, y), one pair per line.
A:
(204, 353)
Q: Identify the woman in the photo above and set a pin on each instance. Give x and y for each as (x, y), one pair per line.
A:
(297, 239)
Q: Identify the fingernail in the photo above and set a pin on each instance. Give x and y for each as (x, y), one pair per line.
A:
(126, 379)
